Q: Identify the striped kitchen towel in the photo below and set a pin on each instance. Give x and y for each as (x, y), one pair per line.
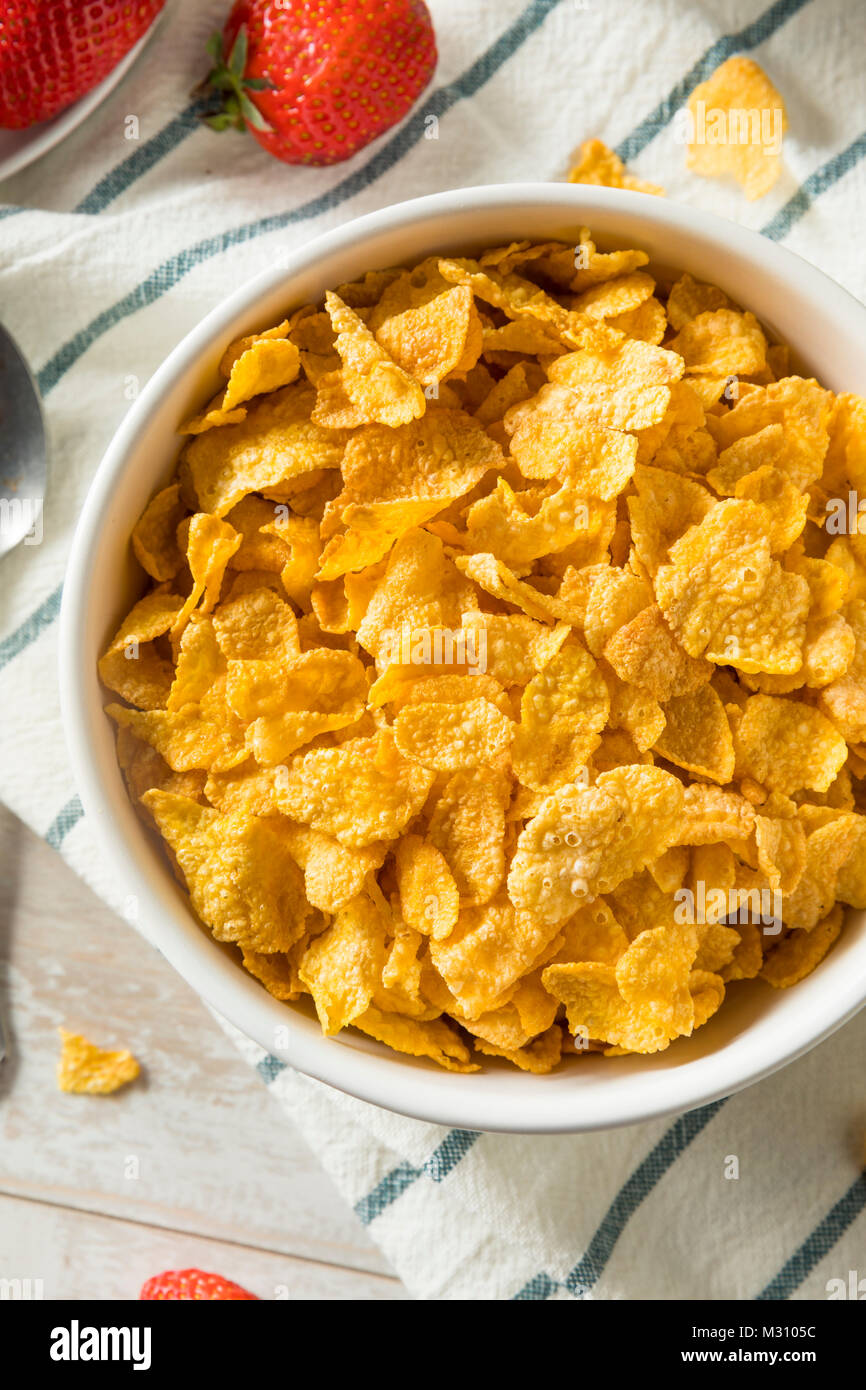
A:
(111, 248)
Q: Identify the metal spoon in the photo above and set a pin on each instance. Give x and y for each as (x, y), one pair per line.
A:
(23, 464)
(23, 450)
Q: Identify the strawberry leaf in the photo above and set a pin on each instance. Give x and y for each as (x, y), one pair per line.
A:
(238, 59)
(252, 114)
(224, 121)
(231, 105)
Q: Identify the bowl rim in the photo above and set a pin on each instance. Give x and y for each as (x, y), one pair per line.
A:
(394, 1082)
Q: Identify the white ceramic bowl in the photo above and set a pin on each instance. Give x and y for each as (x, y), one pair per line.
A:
(758, 1029)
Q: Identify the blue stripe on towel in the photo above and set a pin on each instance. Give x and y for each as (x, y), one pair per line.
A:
(269, 1068)
(724, 47)
(142, 160)
(41, 618)
(817, 183)
(65, 820)
(818, 1244)
(443, 1160)
(392, 1186)
(540, 1287)
(135, 166)
(638, 1185)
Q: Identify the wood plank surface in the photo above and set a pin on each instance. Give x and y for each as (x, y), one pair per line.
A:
(196, 1150)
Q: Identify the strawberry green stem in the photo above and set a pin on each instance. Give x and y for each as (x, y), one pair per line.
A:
(228, 88)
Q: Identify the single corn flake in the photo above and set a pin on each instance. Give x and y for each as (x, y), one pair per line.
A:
(645, 653)
(539, 1056)
(488, 951)
(444, 335)
(737, 120)
(562, 712)
(697, 735)
(376, 387)
(418, 1038)
(154, 535)
(333, 873)
(689, 297)
(719, 566)
(801, 951)
(593, 933)
(787, 746)
(597, 164)
(262, 364)
(429, 900)
(361, 792)
(132, 665)
(495, 578)
(447, 737)
(549, 439)
(586, 840)
(342, 967)
(624, 387)
(257, 625)
(468, 826)
(210, 546)
(596, 1009)
(85, 1069)
(243, 882)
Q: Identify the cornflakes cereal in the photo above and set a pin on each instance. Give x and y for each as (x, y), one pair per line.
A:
(468, 826)
(254, 366)
(622, 387)
(796, 957)
(788, 746)
(539, 1056)
(488, 951)
(586, 840)
(154, 536)
(243, 881)
(547, 439)
(132, 665)
(275, 443)
(471, 733)
(689, 297)
(418, 1038)
(562, 712)
(370, 386)
(343, 966)
(737, 123)
(500, 675)
(211, 543)
(598, 164)
(333, 873)
(429, 899)
(430, 341)
(86, 1069)
(697, 735)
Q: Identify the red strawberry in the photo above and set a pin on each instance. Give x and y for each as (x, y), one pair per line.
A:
(316, 80)
(53, 51)
(192, 1284)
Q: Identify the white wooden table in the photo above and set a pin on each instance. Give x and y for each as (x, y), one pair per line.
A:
(193, 1165)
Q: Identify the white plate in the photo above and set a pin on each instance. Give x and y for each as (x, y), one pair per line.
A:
(18, 148)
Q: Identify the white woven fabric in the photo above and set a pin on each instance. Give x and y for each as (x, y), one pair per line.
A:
(111, 249)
